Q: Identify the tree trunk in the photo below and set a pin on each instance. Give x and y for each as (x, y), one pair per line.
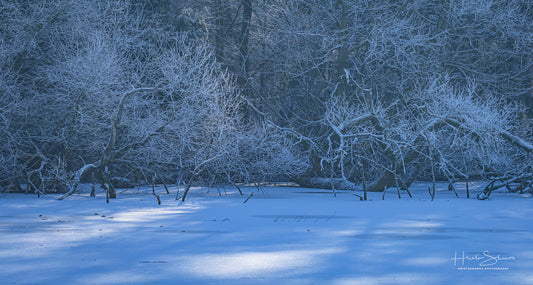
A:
(219, 30)
(341, 59)
(244, 40)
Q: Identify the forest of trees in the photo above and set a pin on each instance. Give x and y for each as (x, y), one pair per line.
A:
(324, 93)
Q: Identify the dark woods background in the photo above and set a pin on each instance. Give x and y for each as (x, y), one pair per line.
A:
(219, 91)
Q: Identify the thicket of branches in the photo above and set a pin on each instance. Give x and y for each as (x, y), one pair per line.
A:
(325, 93)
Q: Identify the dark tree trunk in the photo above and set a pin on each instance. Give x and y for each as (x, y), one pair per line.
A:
(219, 30)
(245, 40)
(342, 25)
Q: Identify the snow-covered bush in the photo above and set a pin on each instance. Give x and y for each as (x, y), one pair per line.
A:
(67, 64)
(450, 129)
(87, 87)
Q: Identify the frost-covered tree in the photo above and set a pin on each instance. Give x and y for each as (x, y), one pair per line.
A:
(100, 92)
(340, 91)
(357, 79)
(71, 69)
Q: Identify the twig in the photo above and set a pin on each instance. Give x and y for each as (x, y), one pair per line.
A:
(467, 188)
(164, 184)
(188, 188)
(251, 194)
(360, 197)
(397, 186)
(238, 188)
(364, 182)
(153, 192)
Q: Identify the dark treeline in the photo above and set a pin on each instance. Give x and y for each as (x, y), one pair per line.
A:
(337, 94)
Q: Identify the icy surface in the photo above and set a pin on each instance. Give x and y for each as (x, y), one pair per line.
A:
(282, 235)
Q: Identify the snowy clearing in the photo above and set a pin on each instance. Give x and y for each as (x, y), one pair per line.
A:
(287, 235)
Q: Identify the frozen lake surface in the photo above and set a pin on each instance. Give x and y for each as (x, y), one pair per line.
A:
(283, 235)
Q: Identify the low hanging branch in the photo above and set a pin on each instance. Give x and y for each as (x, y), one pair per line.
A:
(387, 178)
(79, 174)
(106, 155)
(525, 179)
(527, 146)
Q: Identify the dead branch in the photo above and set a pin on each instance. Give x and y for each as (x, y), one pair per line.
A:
(153, 191)
(506, 181)
(517, 141)
(251, 194)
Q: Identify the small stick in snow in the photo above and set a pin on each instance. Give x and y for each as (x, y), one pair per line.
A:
(166, 188)
(364, 182)
(153, 192)
(384, 190)
(431, 193)
(164, 184)
(238, 188)
(467, 188)
(360, 197)
(397, 186)
(408, 192)
(251, 194)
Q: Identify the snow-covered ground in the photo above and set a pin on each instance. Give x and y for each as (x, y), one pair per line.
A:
(282, 235)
